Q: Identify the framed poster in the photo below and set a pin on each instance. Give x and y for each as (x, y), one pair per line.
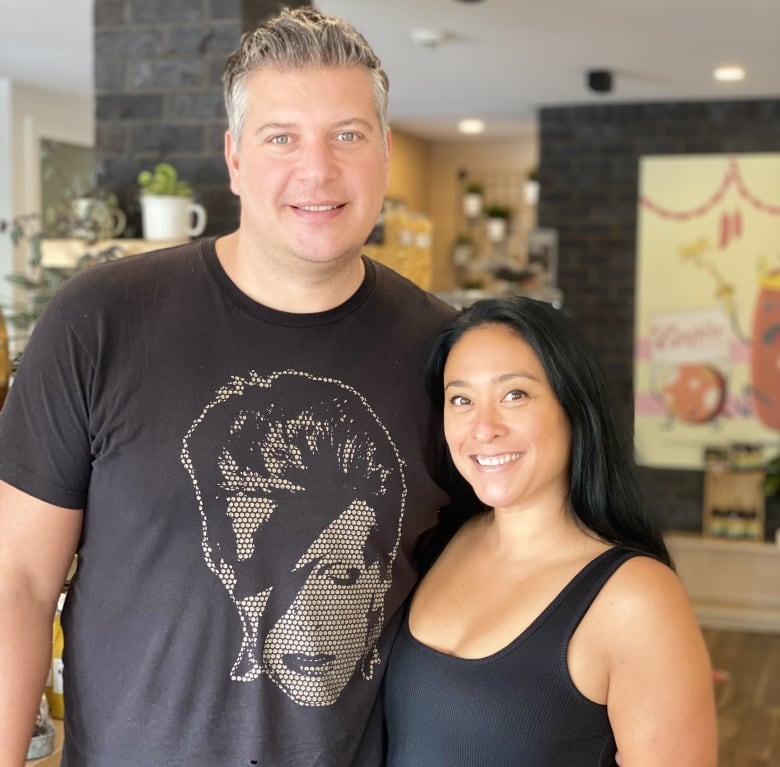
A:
(707, 333)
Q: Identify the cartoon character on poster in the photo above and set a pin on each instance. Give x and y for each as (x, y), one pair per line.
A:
(765, 357)
(707, 362)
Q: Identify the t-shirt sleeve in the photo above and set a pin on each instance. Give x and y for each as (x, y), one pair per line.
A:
(44, 423)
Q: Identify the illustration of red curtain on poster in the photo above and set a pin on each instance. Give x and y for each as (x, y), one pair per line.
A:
(707, 334)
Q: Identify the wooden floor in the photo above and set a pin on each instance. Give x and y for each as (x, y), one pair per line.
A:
(749, 699)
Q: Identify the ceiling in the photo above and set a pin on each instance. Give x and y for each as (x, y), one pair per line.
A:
(499, 60)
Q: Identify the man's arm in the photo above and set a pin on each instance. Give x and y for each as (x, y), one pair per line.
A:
(37, 544)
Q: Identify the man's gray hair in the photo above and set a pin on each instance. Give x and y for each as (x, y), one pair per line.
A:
(295, 39)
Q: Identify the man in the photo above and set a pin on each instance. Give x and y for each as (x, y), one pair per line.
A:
(235, 438)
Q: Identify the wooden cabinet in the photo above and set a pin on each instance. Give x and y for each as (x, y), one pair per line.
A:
(732, 584)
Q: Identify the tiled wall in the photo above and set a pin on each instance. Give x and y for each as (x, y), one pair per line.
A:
(158, 69)
(589, 161)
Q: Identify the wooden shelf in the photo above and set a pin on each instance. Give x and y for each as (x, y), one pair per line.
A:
(66, 252)
(734, 505)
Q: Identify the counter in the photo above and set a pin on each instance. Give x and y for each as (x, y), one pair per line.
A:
(731, 584)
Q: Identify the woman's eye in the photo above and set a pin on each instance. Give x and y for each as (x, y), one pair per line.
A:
(280, 140)
(515, 394)
(459, 400)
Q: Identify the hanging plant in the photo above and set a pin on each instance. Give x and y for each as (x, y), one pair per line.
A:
(472, 199)
(497, 222)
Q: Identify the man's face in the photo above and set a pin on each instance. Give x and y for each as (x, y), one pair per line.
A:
(314, 648)
(312, 165)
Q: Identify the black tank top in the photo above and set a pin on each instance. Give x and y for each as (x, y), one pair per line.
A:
(517, 707)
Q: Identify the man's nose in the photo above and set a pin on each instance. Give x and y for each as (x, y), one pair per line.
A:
(318, 161)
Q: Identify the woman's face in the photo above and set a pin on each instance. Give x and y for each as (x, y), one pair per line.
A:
(507, 433)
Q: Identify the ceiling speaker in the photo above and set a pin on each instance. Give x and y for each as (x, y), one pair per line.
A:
(600, 80)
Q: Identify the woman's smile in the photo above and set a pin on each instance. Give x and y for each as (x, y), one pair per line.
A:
(497, 460)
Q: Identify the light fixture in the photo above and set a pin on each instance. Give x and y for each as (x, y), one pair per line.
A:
(471, 126)
(428, 39)
(729, 74)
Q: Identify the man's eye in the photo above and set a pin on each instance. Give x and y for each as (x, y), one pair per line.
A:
(347, 135)
(340, 574)
(280, 140)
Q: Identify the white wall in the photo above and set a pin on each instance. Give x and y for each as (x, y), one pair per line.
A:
(29, 114)
(6, 191)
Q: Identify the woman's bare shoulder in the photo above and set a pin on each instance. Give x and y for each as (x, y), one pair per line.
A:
(643, 591)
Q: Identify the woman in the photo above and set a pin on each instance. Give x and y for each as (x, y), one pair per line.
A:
(552, 630)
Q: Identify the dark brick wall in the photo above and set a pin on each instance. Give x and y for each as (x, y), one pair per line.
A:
(158, 70)
(589, 164)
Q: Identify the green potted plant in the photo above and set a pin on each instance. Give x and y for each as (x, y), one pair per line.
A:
(95, 215)
(772, 477)
(532, 187)
(498, 217)
(772, 493)
(38, 281)
(472, 199)
(167, 207)
(462, 250)
(163, 180)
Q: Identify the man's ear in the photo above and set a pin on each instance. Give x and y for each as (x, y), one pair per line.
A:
(389, 145)
(232, 158)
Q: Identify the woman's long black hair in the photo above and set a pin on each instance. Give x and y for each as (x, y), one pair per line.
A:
(603, 486)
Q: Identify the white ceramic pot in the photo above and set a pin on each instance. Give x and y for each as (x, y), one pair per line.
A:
(472, 205)
(167, 217)
(496, 229)
(532, 192)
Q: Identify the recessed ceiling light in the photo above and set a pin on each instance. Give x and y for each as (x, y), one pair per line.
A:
(471, 125)
(729, 74)
(428, 38)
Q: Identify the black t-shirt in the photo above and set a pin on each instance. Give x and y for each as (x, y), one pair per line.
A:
(254, 483)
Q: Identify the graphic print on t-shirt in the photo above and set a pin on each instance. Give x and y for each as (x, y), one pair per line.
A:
(301, 494)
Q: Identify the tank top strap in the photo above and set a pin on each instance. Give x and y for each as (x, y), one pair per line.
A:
(575, 600)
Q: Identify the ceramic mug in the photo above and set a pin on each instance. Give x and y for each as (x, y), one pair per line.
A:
(168, 217)
(93, 218)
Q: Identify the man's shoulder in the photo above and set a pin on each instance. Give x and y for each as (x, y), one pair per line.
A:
(134, 272)
(411, 297)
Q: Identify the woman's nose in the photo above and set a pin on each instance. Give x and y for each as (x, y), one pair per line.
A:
(487, 423)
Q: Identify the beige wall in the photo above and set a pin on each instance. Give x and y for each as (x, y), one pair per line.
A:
(410, 172)
(518, 154)
(424, 176)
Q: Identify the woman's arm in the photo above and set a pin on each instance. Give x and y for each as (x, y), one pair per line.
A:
(660, 698)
